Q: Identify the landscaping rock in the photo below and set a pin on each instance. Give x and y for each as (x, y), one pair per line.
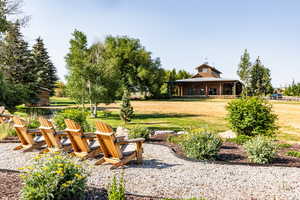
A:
(181, 132)
(121, 131)
(164, 175)
(163, 132)
(227, 134)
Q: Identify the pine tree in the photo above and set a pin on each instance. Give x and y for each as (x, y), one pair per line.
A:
(46, 70)
(16, 60)
(260, 82)
(126, 112)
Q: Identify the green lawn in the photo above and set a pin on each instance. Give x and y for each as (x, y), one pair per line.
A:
(158, 121)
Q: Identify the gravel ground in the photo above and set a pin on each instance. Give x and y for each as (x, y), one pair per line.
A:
(164, 175)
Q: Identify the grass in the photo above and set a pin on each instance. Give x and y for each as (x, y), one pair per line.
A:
(181, 113)
(158, 121)
(284, 146)
(295, 154)
(6, 130)
(61, 101)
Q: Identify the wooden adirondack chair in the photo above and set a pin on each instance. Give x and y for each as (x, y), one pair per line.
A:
(82, 144)
(4, 118)
(111, 147)
(27, 137)
(54, 140)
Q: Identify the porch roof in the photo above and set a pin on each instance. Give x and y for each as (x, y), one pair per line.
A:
(207, 79)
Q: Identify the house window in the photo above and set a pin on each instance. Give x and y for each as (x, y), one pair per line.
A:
(204, 70)
(202, 91)
(212, 91)
(190, 91)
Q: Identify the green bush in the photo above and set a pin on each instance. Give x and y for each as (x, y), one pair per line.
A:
(261, 149)
(53, 176)
(240, 139)
(295, 154)
(74, 114)
(251, 116)
(33, 122)
(116, 190)
(201, 146)
(7, 130)
(139, 132)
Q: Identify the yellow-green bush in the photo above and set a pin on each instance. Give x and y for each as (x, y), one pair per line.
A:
(261, 149)
(53, 176)
(201, 146)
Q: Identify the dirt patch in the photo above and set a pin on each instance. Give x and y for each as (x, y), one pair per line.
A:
(234, 154)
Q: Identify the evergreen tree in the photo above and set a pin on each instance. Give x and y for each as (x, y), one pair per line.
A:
(260, 82)
(11, 95)
(126, 112)
(244, 70)
(16, 61)
(46, 72)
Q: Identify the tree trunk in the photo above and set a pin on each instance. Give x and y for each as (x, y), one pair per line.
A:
(95, 111)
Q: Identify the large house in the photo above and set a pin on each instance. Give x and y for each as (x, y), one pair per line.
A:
(206, 83)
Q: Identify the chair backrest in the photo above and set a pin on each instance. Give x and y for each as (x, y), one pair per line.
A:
(107, 140)
(76, 136)
(21, 129)
(48, 131)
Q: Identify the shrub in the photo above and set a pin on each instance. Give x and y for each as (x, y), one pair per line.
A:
(7, 130)
(53, 176)
(295, 154)
(73, 114)
(251, 116)
(116, 190)
(139, 132)
(240, 139)
(201, 146)
(261, 149)
(126, 112)
(33, 122)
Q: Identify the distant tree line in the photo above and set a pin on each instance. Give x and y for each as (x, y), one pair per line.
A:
(23, 71)
(114, 69)
(292, 90)
(256, 78)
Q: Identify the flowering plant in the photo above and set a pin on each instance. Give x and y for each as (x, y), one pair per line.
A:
(53, 176)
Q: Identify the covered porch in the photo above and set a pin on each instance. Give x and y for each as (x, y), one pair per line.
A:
(206, 89)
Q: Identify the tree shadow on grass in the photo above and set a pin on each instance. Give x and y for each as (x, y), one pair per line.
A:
(139, 116)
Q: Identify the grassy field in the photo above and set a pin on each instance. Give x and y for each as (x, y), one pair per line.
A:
(209, 113)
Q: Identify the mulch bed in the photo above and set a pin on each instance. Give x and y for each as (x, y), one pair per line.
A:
(234, 154)
(11, 139)
(11, 184)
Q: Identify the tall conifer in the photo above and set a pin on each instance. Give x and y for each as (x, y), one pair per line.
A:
(46, 71)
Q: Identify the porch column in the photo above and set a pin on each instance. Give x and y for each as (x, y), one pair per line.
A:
(181, 91)
(221, 89)
(206, 89)
(234, 89)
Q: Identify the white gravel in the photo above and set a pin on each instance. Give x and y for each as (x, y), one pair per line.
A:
(164, 175)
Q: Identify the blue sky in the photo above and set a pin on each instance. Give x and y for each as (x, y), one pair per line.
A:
(181, 33)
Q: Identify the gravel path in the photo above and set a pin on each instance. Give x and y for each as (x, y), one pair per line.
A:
(164, 175)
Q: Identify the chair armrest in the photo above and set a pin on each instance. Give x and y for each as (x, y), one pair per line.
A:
(89, 136)
(33, 131)
(131, 141)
